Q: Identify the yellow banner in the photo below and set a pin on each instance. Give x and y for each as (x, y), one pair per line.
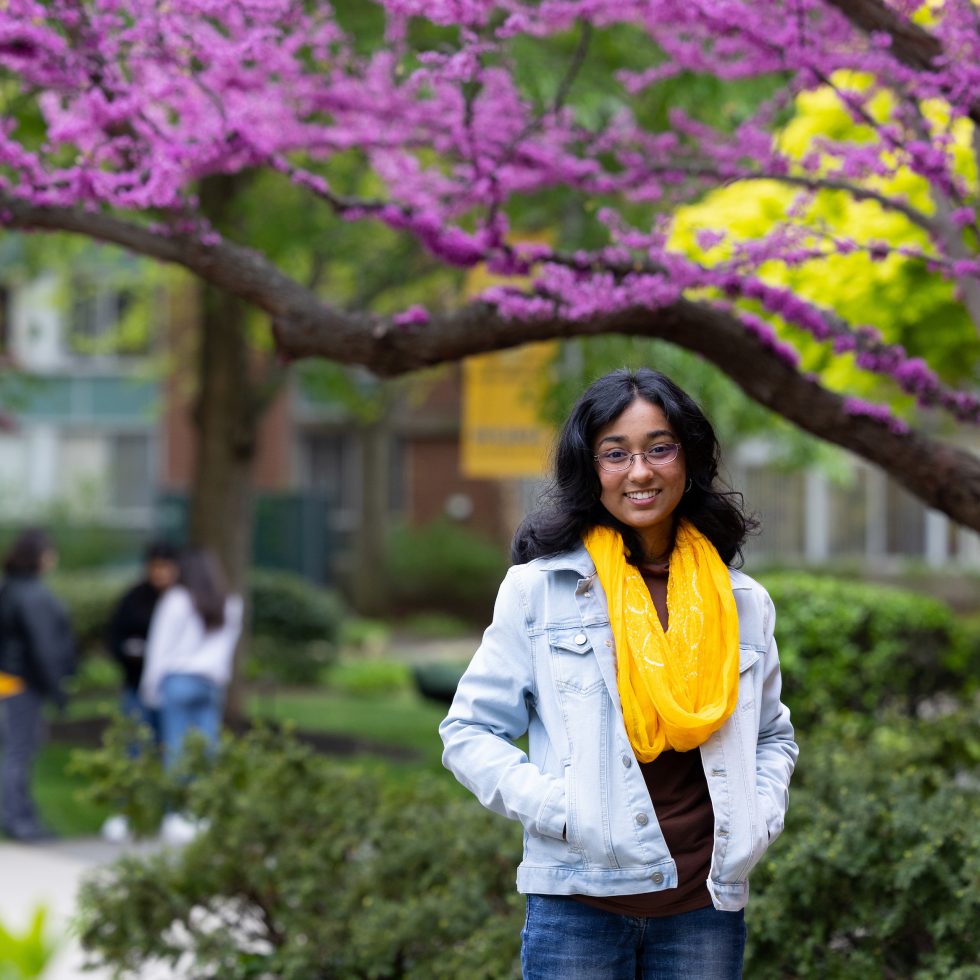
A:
(503, 435)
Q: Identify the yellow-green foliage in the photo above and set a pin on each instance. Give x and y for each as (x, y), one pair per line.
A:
(900, 297)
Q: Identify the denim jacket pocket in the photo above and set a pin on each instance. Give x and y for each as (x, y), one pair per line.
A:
(576, 669)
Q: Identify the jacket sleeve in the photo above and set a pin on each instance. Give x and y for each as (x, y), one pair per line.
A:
(490, 710)
(49, 644)
(776, 751)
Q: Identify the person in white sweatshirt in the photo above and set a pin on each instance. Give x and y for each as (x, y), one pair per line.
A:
(189, 653)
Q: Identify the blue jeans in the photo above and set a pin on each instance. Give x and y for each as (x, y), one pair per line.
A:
(132, 706)
(567, 940)
(22, 735)
(188, 702)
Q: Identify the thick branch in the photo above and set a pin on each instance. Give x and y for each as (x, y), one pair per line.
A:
(942, 476)
(911, 44)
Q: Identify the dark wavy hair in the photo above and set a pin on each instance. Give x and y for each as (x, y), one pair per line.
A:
(571, 504)
(26, 554)
(201, 575)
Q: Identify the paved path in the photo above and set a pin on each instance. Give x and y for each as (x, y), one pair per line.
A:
(48, 874)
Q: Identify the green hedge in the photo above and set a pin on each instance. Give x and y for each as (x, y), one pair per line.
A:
(335, 873)
(854, 646)
(443, 567)
(295, 624)
(878, 872)
(347, 876)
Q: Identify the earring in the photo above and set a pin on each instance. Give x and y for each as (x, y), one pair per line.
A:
(690, 483)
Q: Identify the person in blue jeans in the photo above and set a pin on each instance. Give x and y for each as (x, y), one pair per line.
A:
(37, 651)
(189, 656)
(640, 663)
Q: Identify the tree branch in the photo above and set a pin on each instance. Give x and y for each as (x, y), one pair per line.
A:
(941, 475)
(911, 44)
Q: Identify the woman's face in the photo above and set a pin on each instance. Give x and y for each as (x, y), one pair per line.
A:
(643, 496)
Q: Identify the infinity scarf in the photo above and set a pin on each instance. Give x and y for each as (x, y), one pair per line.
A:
(678, 687)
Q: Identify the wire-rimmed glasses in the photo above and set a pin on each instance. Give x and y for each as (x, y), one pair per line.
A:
(619, 460)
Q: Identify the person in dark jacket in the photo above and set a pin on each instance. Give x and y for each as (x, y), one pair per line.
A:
(130, 626)
(37, 646)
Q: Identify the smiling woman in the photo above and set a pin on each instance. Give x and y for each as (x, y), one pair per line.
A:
(623, 641)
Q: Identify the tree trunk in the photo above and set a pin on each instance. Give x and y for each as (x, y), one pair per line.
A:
(226, 423)
(221, 494)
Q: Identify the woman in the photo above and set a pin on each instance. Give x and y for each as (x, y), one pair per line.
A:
(37, 649)
(189, 655)
(622, 643)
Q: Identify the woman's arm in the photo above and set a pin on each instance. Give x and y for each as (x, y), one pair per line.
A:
(491, 710)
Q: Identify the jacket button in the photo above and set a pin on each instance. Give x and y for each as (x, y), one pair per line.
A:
(642, 819)
(627, 761)
(588, 595)
(657, 878)
(580, 638)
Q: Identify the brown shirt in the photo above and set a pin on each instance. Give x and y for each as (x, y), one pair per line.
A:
(679, 794)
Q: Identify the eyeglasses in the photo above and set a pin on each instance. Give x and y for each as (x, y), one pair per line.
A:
(618, 460)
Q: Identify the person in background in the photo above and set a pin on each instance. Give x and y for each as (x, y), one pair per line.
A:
(641, 664)
(38, 649)
(126, 640)
(189, 655)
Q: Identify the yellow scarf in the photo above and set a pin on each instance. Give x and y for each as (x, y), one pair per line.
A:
(677, 687)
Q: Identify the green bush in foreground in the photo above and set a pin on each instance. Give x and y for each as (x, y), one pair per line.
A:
(315, 870)
(878, 873)
(310, 870)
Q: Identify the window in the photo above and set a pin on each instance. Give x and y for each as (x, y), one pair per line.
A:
(132, 477)
(331, 465)
(96, 319)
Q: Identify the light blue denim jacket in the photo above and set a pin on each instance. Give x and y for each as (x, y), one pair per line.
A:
(547, 666)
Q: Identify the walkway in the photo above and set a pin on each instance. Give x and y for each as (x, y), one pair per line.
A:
(48, 874)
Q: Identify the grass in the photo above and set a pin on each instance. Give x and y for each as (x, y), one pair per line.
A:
(401, 718)
(56, 791)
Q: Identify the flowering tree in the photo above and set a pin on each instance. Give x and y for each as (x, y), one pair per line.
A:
(117, 111)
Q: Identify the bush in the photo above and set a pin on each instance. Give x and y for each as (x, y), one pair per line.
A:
(295, 627)
(308, 868)
(852, 646)
(90, 597)
(878, 872)
(443, 567)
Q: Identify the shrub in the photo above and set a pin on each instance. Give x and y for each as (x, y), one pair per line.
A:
(878, 872)
(90, 596)
(443, 567)
(308, 868)
(853, 646)
(295, 627)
